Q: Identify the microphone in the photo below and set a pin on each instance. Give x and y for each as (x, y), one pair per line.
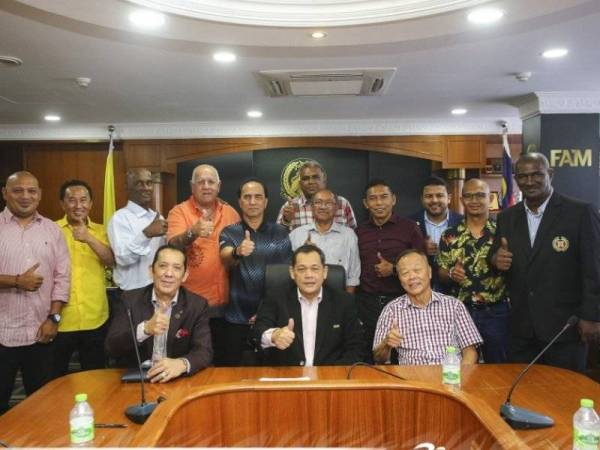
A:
(138, 413)
(521, 418)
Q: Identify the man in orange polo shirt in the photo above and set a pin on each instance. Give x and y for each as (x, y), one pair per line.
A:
(195, 226)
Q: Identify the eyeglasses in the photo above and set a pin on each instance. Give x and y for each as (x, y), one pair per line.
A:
(535, 176)
(326, 203)
(469, 196)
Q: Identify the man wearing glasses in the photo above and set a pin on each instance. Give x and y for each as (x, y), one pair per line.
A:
(463, 266)
(548, 246)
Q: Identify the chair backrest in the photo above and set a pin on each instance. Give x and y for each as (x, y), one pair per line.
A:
(278, 275)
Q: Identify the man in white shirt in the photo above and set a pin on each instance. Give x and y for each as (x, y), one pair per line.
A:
(309, 324)
(135, 232)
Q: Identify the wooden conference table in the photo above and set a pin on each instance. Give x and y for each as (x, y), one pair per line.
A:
(231, 407)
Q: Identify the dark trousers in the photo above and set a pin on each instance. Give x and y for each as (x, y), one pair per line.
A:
(35, 362)
(492, 323)
(89, 344)
(568, 355)
(369, 310)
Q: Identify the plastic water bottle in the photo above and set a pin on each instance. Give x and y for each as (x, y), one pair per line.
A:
(81, 420)
(451, 367)
(586, 427)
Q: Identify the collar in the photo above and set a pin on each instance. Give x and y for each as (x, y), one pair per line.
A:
(302, 299)
(434, 299)
(541, 208)
(394, 218)
(154, 299)
(442, 223)
(302, 200)
(263, 226)
(64, 222)
(218, 204)
(489, 228)
(137, 210)
(37, 217)
(335, 228)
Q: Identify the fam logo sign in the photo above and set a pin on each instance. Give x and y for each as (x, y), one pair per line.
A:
(290, 178)
(571, 157)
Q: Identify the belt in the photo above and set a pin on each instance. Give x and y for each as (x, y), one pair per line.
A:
(479, 306)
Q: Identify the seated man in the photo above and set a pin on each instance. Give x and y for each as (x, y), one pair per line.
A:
(176, 319)
(422, 323)
(309, 324)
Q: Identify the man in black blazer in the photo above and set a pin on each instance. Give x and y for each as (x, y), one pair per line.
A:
(549, 248)
(433, 220)
(309, 324)
(171, 323)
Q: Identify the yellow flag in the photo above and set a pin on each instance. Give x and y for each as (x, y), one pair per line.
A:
(109, 184)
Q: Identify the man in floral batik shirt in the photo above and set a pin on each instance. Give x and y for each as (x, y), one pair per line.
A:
(463, 265)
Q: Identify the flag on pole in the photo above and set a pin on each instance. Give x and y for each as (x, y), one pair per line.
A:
(109, 184)
(508, 198)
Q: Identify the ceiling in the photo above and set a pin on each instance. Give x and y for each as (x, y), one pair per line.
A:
(165, 83)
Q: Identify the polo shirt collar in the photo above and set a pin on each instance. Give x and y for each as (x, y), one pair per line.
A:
(137, 210)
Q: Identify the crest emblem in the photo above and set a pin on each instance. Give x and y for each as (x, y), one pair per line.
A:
(290, 178)
(560, 244)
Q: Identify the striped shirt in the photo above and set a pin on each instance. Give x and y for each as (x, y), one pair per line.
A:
(427, 331)
(303, 215)
(41, 241)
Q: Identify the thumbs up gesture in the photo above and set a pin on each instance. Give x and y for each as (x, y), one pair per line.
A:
(308, 240)
(288, 211)
(457, 272)
(30, 280)
(158, 227)
(80, 231)
(246, 247)
(284, 336)
(383, 268)
(394, 338)
(431, 247)
(503, 257)
(205, 225)
(158, 323)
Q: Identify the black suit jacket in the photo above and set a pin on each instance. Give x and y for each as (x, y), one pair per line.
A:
(339, 339)
(453, 220)
(560, 275)
(188, 335)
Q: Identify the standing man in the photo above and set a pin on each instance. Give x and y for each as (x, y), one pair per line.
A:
(135, 232)
(298, 211)
(309, 324)
(338, 242)
(464, 267)
(194, 227)
(380, 240)
(549, 248)
(34, 286)
(83, 324)
(433, 220)
(247, 248)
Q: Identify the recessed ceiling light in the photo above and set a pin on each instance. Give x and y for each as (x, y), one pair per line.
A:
(51, 118)
(254, 114)
(318, 35)
(459, 111)
(224, 57)
(555, 53)
(146, 19)
(485, 16)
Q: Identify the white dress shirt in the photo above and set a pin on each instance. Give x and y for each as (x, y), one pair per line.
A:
(133, 251)
(534, 219)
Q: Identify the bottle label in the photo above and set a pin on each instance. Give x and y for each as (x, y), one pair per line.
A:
(82, 430)
(585, 439)
(451, 375)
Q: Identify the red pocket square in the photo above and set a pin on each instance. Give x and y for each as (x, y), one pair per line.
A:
(182, 332)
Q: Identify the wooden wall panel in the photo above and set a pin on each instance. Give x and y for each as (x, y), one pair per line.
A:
(11, 161)
(54, 163)
(464, 152)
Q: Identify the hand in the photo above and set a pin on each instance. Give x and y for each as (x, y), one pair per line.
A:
(308, 240)
(394, 338)
(288, 211)
(252, 320)
(384, 268)
(589, 331)
(29, 280)
(166, 369)
(246, 247)
(431, 248)
(503, 257)
(205, 225)
(457, 272)
(46, 332)
(80, 232)
(159, 323)
(158, 227)
(283, 337)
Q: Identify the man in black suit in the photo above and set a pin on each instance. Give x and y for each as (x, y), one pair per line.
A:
(549, 248)
(309, 324)
(433, 220)
(171, 323)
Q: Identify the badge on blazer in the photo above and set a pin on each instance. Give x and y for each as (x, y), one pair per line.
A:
(560, 244)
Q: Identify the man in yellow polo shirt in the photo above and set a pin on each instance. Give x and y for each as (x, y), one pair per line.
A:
(82, 325)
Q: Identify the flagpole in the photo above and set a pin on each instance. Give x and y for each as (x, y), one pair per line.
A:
(109, 180)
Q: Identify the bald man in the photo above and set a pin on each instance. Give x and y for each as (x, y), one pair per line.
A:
(548, 246)
(34, 286)
(464, 269)
(135, 232)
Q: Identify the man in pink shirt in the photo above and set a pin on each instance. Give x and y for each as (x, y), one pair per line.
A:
(34, 284)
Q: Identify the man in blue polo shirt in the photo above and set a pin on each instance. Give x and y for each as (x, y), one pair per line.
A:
(246, 248)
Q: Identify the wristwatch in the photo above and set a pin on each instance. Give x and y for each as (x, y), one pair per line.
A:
(54, 318)
(190, 235)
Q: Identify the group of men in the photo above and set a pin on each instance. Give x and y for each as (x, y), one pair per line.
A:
(193, 284)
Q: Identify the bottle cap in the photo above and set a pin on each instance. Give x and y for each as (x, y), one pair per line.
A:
(81, 398)
(450, 349)
(587, 403)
